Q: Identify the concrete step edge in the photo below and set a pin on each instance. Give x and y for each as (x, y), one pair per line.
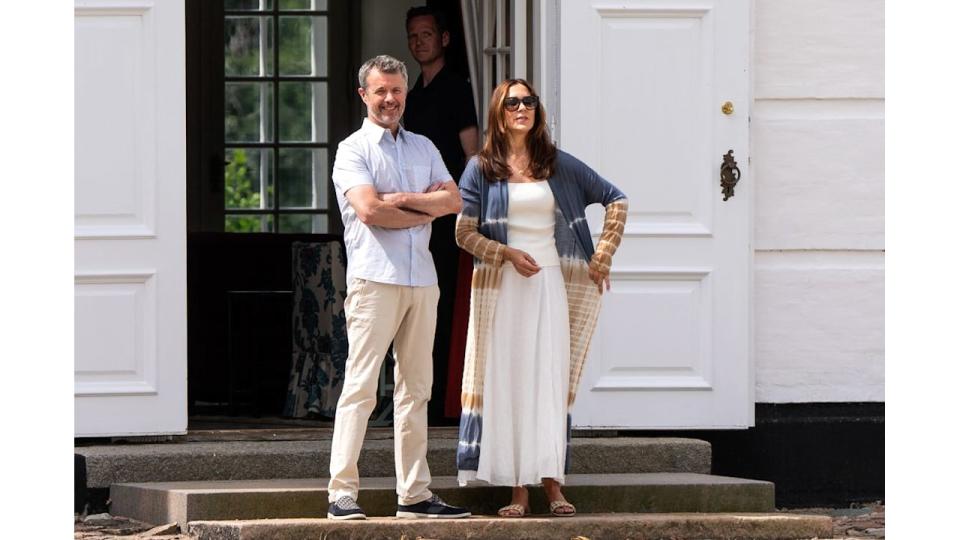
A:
(106, 465)
(679, 526)
(182, 502)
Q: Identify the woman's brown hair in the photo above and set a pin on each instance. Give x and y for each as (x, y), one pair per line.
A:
(496, 145)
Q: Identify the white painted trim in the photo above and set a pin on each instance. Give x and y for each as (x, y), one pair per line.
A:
(142, 224)
(536, 48)
(487, 24)
(546, 60)
(646, 273)
(146, 383)
(137, 434)
(86, 8)
(620, 10)
(553, 55)
(98, 389)
(751, 219)
(662, 230)
(518, 40)
(501, 45)
(646, 382)
(710, 427)
(105, 232)
(671, 378)
(136, 276)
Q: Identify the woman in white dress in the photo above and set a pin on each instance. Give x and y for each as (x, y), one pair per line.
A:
(531, 320)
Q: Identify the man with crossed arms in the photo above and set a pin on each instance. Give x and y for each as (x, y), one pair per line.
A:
(390, 184)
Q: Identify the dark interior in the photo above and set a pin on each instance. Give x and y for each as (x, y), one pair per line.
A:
(239, 284)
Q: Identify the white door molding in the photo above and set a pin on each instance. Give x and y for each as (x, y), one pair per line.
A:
(641, 88)
(130, 348)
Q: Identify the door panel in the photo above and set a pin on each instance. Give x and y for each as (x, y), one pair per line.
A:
(641, 89)
(130, 257)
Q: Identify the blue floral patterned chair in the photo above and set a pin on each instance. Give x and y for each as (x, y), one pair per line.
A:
(319, 329)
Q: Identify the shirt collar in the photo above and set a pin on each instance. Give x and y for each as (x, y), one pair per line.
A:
(440, 74)
(375, 133)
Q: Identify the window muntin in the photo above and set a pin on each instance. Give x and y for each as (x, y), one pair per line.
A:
(276, 103)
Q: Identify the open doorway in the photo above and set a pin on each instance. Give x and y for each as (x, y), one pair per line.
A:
(271, 89)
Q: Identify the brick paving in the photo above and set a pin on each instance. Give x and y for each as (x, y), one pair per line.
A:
(107, 527)
(858, 521)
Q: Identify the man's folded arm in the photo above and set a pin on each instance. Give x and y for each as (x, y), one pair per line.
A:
(436, 201)
(371, 210)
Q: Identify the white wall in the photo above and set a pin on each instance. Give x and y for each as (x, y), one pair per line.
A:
(817, 160)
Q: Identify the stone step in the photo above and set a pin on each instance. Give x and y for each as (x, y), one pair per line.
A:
(254, 460)
(183, 502)
(726, 526)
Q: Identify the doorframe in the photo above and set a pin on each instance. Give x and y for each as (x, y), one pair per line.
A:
(205, 105)
(204, 136)
(544, 54)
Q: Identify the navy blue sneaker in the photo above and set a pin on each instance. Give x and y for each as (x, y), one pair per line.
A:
(345, 508)
(434, 507)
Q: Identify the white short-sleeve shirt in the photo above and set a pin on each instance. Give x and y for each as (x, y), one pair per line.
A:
(410, 164)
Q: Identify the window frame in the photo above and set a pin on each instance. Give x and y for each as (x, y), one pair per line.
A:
(275, 144)
(207, 146)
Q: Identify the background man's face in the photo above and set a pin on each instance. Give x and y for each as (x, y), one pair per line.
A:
(385, 97)
(424, 41)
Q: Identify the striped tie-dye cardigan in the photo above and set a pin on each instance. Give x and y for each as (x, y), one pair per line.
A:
(482, 231)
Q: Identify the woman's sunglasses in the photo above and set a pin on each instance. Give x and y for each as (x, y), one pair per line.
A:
(513, 103)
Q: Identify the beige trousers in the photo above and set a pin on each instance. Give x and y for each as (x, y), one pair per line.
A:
(377, 314)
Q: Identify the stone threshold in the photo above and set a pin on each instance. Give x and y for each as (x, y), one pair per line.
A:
(675, 526)
(183, 502)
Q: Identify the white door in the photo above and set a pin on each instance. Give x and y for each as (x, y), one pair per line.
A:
(641, 88)
(130, 341)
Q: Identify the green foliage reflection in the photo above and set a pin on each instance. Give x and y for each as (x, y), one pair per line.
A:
(249, 48)
(239, 192)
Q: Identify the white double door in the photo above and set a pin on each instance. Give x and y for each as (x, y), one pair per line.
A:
(641, 86)
(641, 91)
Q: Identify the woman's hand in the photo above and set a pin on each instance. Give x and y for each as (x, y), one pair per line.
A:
(521, 261)
(600, 278)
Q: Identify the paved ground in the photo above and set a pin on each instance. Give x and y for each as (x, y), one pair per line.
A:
(105, 526)
(858, 521)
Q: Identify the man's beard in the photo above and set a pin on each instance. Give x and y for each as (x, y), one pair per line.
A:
(389, 116)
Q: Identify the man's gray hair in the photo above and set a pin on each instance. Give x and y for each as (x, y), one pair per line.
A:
(384, 64)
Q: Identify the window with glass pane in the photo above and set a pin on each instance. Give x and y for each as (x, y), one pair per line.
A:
(275, 116)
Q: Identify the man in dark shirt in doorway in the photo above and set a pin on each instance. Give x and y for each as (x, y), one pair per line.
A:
(440, 106)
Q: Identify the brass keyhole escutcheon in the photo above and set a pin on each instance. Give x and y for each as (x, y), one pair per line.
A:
(729, 175)
(727, 107)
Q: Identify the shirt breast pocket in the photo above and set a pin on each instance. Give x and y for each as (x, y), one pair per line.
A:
(419, 178)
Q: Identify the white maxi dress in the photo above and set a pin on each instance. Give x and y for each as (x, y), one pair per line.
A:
(526, 382)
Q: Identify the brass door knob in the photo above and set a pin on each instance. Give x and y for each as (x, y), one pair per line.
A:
(727, 108)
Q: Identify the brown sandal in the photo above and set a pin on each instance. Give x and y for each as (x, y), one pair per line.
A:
(513, 511)
(568, 509)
